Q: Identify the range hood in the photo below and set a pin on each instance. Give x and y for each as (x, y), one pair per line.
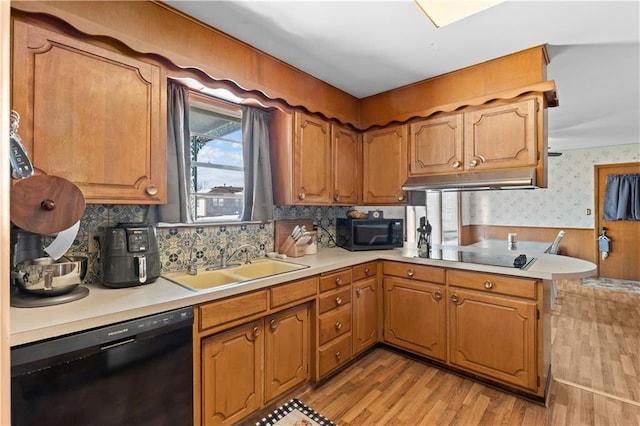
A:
(522, 178)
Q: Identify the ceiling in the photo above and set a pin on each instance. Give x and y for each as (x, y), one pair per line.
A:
(367, 47)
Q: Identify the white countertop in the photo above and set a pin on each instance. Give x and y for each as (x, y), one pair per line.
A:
(105, 306)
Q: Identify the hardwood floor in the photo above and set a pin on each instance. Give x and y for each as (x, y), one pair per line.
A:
(596, 366)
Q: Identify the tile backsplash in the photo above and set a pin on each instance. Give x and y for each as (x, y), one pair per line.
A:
(175, 242)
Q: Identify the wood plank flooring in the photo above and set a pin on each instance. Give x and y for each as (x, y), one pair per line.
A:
(596, 345)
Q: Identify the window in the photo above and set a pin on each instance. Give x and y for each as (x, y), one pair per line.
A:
(216, 189)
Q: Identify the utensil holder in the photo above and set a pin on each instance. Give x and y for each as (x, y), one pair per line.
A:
(290, 248)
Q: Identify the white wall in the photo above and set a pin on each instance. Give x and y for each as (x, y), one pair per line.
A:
(570, 192)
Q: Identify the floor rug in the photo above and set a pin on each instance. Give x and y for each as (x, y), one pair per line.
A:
(295, 413)
(612, 284)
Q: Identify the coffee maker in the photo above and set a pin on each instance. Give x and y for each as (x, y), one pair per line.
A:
(129, 255)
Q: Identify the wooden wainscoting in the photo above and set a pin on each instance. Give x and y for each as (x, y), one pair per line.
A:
(577, 242)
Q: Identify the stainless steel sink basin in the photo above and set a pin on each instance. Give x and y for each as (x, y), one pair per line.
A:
(206, 279)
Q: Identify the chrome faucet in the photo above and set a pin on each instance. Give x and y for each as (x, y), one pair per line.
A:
(192, 268)
(224, 262)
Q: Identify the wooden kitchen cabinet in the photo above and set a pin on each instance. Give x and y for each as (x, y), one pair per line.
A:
(493, 327)
(385, 165)
(365, 306)
(415, 310)
(502, 136)
(313, 161)
(231, 374)
(91, 115)
(286, 362)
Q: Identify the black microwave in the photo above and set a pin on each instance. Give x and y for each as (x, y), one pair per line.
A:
(369, 234)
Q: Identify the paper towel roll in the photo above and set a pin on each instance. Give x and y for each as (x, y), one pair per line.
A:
(62, 242)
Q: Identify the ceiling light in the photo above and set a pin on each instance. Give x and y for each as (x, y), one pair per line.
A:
(442, 13)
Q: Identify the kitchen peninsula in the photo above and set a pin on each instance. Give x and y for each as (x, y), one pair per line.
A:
(401, 285)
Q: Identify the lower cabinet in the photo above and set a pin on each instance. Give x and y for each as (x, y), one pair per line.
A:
(365, 306)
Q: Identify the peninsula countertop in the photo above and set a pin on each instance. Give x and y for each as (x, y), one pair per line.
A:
(105, 306)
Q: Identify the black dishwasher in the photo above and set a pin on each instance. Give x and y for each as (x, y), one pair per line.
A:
(138, 372)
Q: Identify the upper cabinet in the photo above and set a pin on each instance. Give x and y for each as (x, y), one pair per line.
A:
(384, 165)
(502, 136)
(91, 115)
(313, 161)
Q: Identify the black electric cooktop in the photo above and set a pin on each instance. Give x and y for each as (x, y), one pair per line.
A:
(505, 260)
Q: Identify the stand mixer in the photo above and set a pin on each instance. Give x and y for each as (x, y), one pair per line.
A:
(424, 238)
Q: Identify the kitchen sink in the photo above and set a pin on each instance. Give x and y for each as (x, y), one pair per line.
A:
(206, 279)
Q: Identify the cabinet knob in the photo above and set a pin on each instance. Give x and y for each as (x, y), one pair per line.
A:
(301, 196)
(410, 272)
(473, 163)
(488, 285)
(401, 197)
(338, 300)
(338, 281)
(336, 197)
(366, 271)
(338, 355)
(273, 324)
(358, 292)
(152, 189)
(437, 295)
(338, 325)
(454, 298)
(256, 331)
(455, 164)
(47, 204)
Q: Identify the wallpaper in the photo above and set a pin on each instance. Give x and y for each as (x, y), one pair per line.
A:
(563, 204)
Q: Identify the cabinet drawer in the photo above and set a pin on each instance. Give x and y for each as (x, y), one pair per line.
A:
(335, 280)
(416, 272)
(490, 283)
(335, 354)
(334, 323)
(291, 292)
(231, 309)
(365, 270)
(334, 300)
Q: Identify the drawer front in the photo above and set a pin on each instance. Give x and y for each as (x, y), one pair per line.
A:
(334, 324)
(231, 309)
(335, 280)
(365, 270)
(294, 291)
(490, 283)
(335, 354)
(416, 272)
(334, 300)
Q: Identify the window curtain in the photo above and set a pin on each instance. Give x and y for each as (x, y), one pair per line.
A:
(258, 194)
(622, 197)
(177, 209)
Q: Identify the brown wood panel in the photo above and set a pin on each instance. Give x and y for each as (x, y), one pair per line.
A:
(622, 261)
(294, 291)
(577, 242)
(334, 323)
(232, 309)
(333, 300)
(334, 354)
(491, 283)
(364, 270)
(418, 272)
(335, 280)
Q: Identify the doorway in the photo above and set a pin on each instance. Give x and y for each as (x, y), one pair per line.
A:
(622, 261)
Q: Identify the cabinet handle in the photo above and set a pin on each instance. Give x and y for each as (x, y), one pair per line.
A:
(338, 355)
(338, 281)
(366, 271)
(410, 272)
(456, 164)
(488, 285)
(338, 301)
(358, 292)
(301, 196)
(336, 196)
(473, 163)
(152, 189)
(454, 298)
(273, 324)
(438, 295)
(256, 331)
(338, 325)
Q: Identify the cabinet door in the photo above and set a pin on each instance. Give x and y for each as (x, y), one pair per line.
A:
(494, 336)
(90, 115)
(365, 314)
(435, 145)
(415, 316)
(286, 350)
(311, 160)
(385, 165)
(347, 160)
(232, 374)
(502, 136)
